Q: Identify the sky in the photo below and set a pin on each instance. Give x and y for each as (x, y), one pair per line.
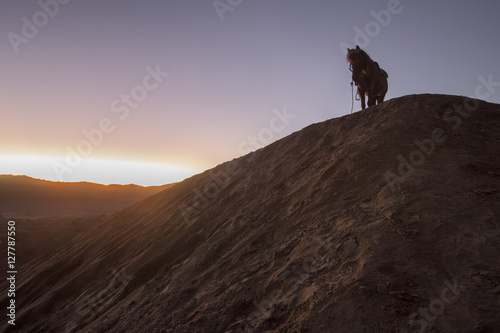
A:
(151, 92)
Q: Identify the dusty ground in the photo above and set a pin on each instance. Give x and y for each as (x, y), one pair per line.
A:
(349, 225)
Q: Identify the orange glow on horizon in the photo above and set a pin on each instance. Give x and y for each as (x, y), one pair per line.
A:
(102, 171)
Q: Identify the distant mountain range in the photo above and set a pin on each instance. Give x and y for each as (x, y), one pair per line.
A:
(26, 197)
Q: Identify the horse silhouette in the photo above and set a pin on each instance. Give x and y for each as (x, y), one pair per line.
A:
(370, 79)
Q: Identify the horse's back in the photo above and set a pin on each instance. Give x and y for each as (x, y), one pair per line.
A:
(380, 70)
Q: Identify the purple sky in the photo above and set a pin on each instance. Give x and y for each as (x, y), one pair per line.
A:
(165, 89)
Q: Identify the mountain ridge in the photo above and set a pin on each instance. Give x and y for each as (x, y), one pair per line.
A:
(24, 196)
(306, 234)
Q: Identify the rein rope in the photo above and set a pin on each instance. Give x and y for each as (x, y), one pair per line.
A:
(352, 90)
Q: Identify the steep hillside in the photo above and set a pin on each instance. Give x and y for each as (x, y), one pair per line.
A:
(386, 220)
(49, 213)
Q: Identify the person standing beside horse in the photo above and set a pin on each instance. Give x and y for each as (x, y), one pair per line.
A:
(370, 79)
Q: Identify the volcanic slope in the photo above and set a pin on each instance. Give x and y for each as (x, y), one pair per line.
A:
(386, 220)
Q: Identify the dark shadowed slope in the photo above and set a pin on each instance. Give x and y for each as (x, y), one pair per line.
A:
(49, 213)
(318, 232)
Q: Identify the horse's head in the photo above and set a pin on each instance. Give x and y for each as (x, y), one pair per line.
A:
(357, 58)
(354, 56)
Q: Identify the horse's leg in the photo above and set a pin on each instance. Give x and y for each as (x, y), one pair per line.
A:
(380, 99)
(371, 101)
(361, 93)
